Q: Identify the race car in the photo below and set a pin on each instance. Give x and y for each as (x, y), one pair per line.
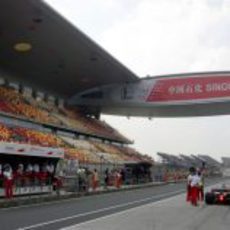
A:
(218, 196)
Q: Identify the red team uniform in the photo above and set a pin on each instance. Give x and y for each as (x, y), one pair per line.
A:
(193, 188)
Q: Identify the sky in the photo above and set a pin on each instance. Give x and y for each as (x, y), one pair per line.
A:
(155, 37)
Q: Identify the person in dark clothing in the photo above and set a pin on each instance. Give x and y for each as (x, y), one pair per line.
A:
(123, 176)
(106, 178)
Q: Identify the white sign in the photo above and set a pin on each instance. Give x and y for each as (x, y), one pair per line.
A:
(30, 150)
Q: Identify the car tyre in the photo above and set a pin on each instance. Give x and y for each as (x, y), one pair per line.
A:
(209, 198)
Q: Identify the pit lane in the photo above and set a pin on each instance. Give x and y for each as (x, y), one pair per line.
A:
(74, 211)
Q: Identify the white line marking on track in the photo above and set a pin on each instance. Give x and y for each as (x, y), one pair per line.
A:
(99, 210)
(130, 209)
(120, 212)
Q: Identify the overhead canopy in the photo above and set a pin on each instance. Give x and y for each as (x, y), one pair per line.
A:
(42, 49)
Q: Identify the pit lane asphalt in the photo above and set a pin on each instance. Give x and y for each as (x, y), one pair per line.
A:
(57, 215)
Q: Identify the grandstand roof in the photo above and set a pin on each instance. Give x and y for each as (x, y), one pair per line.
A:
(209, 160)
(226, 161)
(60, 58)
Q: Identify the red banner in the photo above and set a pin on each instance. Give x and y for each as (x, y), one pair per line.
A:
(192, 88)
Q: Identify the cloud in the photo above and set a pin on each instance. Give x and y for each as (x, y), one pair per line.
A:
(171, 36)
(93, 16)
(156, 37)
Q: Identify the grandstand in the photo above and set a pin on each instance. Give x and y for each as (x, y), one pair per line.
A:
(226, 162)
(184, 162)
(226, 166)
(209, 161)
(170, 160)
(29, 119)
(14, 103)
(15, 106)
